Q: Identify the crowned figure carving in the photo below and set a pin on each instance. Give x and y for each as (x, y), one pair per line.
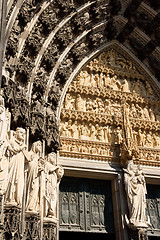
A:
(135, 186)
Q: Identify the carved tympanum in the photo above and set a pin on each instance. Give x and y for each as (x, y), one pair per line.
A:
(92, 117)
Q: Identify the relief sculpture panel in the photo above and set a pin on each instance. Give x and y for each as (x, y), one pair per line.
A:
(92, 113)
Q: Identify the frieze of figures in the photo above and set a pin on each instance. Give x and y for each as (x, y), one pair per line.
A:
(108, 105)
(109, 93)
(89, 150)
(107, 117)
(93, 108)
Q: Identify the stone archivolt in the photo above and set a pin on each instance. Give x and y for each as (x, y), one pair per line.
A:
(92, 114)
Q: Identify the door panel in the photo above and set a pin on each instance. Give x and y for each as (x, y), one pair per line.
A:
(86, 205)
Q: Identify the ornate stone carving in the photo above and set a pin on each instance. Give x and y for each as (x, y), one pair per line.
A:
(5, 118)
(65, 35)
(27, 202)
(32, 222)
(109, 95)
(11, 223)
(16, 150)
(135, 186)
(34, 167)
(53, 175)
(50, 230)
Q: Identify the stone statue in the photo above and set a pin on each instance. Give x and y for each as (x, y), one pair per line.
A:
(34, 167)
(74, 130)
(156, 138)
(84, 132)
(89, 105)
(86, 78)
(107, 80)
(118, 136)
(16, 150)
(68, 103)
(79, 103)
(151, 115)
(135, 187)
(4, 129)
(106, 134)
(149, 139)
(53, 175)
(133, 112)
(141, 138)
(139, 111)
(146, 113)
(93, 81)
(125, 86)
(116, 85)
(100, 133)
(92, 131)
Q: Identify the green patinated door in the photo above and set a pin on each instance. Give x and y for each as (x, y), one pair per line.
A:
(86, 207)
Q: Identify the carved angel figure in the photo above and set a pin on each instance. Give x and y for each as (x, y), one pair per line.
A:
(135, 187)
(53, 175)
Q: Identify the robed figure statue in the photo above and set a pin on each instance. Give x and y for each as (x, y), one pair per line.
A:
(16, 150)
(135, 187)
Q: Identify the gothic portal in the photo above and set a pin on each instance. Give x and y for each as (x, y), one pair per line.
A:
(110, 117)
(79, 119)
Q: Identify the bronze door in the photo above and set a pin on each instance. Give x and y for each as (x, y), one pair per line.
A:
(86, 206)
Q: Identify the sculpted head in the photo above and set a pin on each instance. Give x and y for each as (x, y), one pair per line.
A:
(52, 158)
(37, 147)
(20, 134)
(130, 166)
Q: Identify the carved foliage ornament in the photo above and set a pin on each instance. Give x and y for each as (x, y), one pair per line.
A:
(38, 116)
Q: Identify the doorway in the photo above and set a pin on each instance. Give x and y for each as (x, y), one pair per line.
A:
(86, 209)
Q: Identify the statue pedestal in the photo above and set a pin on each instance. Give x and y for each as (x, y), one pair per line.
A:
(11, 222)
(138, 234)
(50, 228)
(32, 225)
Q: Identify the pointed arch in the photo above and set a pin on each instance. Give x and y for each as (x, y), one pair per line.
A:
(119, 49)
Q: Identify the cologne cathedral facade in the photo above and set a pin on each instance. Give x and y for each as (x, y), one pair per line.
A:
(80, 119)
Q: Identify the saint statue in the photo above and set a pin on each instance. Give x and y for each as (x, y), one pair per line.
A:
(135, 187)
(4, 128)
(16, 149)
(53, 175)
(34, 168)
